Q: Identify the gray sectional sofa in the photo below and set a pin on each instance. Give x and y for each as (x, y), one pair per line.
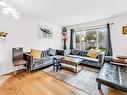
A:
(45, 60)
(48, 55)
(82, 54)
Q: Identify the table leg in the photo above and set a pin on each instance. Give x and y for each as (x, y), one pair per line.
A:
(76, 69)
(82, 67)
(99, 86)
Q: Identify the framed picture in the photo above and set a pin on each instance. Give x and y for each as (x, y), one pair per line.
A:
(45, 32)
(125, 30)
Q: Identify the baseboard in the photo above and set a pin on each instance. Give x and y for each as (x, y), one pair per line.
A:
(6, 72)
(4, 79)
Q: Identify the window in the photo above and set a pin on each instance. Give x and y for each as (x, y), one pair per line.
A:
(92, 38)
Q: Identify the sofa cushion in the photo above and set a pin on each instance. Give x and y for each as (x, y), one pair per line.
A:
(93, 53)
(75, 52)
(41, 60)
(44, 53)
(83, 53)
(60, 52)
(51, 52)
(35, 53)
(84, 58)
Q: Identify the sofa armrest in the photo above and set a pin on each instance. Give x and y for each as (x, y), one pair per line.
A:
(29, 58)
(101, 58)
(66, 52)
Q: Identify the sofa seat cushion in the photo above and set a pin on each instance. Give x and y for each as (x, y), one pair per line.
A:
(42, 65)
(85, 58)
(56, 56)
(41, 60)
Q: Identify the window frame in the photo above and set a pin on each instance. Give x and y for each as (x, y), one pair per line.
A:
(88, 30)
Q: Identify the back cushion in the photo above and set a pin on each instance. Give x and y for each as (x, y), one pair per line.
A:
(51, 52)
(83, 53)
(75, 52)
(44, 53)
(60, 52)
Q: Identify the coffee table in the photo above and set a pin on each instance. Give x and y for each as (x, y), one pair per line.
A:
(72, 61)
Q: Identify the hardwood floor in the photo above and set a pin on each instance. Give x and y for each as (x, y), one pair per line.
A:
(116, 92)
(37, 83)
(40, 83)
(3, 79)
(66, 74)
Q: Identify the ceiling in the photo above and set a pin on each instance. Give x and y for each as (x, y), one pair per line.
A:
(66, 12)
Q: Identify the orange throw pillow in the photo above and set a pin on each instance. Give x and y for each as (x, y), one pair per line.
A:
(93, 53)
(36, 53)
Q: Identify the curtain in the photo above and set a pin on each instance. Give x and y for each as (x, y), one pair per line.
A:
(109, 51)
(71, 39)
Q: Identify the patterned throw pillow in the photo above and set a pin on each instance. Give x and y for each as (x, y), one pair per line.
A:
(44, 53)
(93, 53)
(51, 52)
(35, 53)
(75, 52)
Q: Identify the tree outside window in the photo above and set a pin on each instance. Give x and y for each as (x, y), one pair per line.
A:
(92, 39)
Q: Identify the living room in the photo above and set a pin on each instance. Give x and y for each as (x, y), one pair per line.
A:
(22, 23)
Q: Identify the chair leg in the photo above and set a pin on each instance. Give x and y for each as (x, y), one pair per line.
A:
(57, 68)
(53, 67)
(15, 73)
(29, 71)
(60, 67)
(99, 86)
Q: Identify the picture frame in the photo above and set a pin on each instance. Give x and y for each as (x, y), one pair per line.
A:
(45, 32)
(125, 30)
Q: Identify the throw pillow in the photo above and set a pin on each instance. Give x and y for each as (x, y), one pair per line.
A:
(60, 52)
(93, 53)
(75, 52)
(51, 52)
(44, 53)
(36, 53)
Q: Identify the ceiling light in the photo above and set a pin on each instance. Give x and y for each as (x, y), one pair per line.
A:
(2, 3)
(8, 9)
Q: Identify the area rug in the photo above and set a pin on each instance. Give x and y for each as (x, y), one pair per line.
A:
(85, 80)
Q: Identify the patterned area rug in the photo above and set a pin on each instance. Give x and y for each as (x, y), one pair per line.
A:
(85, 80)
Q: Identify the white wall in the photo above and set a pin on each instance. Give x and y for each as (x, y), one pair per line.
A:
(119, 41)
(23, 32)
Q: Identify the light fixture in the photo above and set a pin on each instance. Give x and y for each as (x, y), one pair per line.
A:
(8, 9)
(2, 3)
(3, 34)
